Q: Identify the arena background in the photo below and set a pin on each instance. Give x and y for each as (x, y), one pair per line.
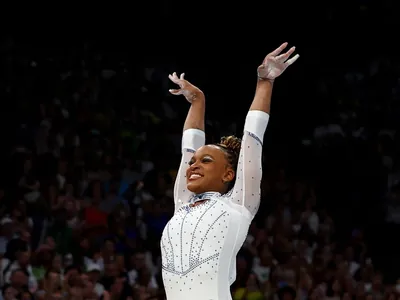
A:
(349, 65)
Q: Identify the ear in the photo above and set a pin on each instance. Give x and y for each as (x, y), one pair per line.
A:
(229, 175)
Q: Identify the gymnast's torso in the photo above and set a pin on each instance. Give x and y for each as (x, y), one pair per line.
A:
(200, 243)
(199, 247)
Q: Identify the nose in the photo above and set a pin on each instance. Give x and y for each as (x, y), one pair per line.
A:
(193, 167)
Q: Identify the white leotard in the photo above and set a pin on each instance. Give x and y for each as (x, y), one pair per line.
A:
(199, 244)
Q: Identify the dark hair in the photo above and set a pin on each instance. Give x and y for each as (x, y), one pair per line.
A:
(231, 145)
(286, 290)
(13, 247)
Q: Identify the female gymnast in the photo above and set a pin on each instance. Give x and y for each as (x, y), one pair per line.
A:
(216, 194)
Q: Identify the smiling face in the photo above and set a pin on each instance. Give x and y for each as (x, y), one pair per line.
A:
(209, 171)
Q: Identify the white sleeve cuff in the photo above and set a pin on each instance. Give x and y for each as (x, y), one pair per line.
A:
(193, 139)
(256, 123)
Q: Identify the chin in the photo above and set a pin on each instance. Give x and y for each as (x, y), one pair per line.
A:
(195, 187)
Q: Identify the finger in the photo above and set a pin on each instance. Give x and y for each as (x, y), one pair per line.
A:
(292, 60)
(285, 56)
(175, 92)
(182, 77)
(279, 49)
(173, 78)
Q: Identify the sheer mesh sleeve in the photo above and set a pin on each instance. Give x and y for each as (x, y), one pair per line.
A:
(192, 139)
(246, 191)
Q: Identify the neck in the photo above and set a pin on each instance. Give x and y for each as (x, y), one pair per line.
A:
(203, 196)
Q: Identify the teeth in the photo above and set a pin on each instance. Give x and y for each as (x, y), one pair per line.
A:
(195, 176)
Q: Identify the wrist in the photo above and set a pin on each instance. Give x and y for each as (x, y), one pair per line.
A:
(259, 78)
(197, 96)
(265, 82)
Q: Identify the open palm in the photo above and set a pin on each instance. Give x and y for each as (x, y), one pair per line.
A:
(275, 63)
(186, 89)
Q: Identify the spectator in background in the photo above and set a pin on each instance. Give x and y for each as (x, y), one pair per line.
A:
(8, 292)
(72, 213)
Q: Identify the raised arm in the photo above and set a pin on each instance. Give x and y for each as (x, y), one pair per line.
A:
(193, 133)
(246, 191)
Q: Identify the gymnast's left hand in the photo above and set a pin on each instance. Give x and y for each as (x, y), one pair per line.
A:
(275, 63)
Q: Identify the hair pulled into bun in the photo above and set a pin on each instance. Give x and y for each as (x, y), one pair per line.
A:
(231, 145)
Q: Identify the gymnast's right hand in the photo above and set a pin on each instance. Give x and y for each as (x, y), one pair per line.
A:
(191, 92)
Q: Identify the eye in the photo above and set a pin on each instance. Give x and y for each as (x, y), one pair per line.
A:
(191, 162)
(206, 160)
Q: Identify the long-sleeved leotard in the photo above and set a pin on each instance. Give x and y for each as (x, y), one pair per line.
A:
(192, 140)
(199, 244)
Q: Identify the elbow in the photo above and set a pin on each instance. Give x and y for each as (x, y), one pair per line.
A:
(256, 123)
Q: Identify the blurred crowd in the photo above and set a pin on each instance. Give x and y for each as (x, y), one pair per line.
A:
(87, 181)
